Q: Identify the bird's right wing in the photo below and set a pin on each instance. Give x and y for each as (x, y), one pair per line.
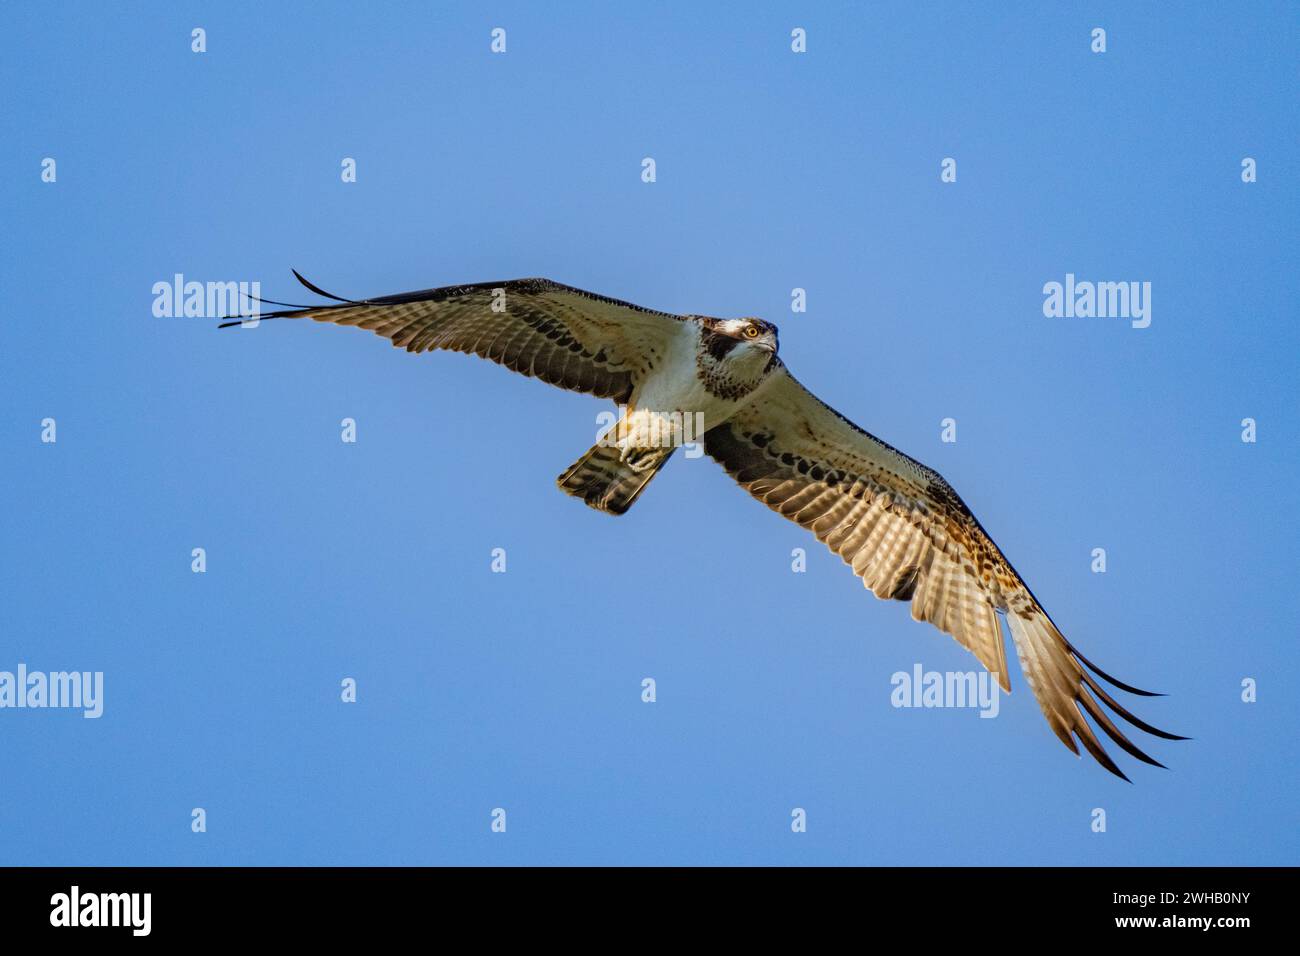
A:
(567, 337)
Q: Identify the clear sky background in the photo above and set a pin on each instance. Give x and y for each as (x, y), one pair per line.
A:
(522, 690)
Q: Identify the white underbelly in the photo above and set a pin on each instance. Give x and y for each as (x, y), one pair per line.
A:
(673, 407)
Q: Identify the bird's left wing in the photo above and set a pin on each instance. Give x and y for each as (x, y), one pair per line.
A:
(908, 536)
(568, 337)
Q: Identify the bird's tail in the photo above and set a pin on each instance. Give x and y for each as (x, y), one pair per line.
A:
(610, 480)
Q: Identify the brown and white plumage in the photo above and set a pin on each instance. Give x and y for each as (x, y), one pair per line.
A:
(896, 523)
(567, 337)
(909, 536)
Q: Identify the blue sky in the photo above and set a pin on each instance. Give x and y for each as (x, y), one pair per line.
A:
(522, 690)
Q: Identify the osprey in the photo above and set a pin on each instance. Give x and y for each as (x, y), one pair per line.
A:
(897, 523)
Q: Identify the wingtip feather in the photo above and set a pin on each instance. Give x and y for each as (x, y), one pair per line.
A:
(1114, 682)
(318, 290)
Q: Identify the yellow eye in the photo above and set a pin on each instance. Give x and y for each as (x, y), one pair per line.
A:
(751, 331)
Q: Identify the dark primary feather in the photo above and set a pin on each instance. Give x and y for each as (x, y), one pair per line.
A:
(318, 290)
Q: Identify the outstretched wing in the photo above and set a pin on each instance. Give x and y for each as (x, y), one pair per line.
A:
(908, 536)
(565, 336)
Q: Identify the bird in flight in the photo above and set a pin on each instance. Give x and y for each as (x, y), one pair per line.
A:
(898, 524)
